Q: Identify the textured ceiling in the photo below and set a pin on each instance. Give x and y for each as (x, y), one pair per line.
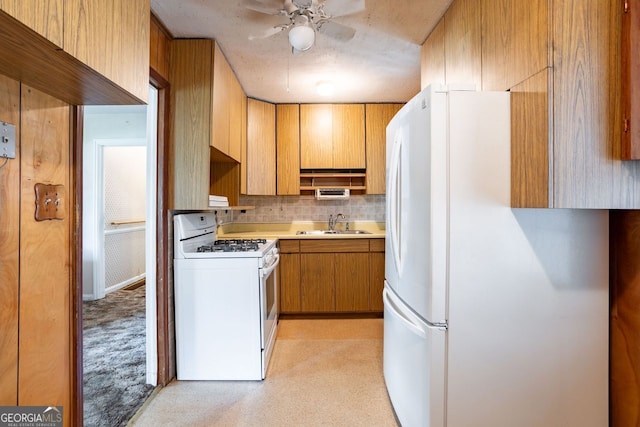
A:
(380, 64)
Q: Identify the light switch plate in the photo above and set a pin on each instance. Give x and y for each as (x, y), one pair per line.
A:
(7, 140)
(50, 202)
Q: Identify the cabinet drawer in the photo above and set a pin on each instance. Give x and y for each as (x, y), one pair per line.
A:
(289, 246)
(376, 245)
(335, 245)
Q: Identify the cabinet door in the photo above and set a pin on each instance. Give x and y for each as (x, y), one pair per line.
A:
(112, 37)
(376, 280)
(261, 148)
(631, 83)
(515, 41)
(377, 118)
(288, 149)
(317, 282)
(348, 136)
(432, 57)
(352, 281)
(190, 73)
(530, 143)
(316, 146)
(159, 48)
(235, 117)
(44, 16)
(462, 43)
(289, 283)
(220, 104)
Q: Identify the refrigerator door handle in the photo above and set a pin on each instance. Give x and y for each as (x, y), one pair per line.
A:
(396, 312)
(395, 198)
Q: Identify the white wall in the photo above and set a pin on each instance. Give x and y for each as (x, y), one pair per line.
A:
(122, 122)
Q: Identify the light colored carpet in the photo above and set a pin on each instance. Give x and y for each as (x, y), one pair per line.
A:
(325, 372)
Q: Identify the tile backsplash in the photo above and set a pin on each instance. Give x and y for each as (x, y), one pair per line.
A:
(271, 209)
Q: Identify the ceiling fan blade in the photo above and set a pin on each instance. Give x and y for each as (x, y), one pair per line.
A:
(336, 31)
(343, 7)
(259, 7)
(269, 32)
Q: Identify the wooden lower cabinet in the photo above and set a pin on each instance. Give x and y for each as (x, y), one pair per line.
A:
(376, 275)
(289, 280)
(331, 276)
(317, 278)
(352, 282)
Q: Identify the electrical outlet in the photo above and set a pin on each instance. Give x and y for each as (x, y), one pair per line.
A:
(7, 140)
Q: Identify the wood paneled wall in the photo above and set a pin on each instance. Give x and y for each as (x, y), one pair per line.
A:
(9, 249)
(35, 261)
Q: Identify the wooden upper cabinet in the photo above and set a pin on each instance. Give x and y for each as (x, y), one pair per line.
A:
(530, 150)
(348, 136)
(515, 41)
(236, 99)
(462, 43)
(112, 37)
(159, 48)
(191, 94)
(432, 57)
(332, 136)
(377, 117)
(46, 17)
(288, 149)
(107, 46)
(631, 83)
(226, 119)
(316, 136)
(221, 99)
(261, 148)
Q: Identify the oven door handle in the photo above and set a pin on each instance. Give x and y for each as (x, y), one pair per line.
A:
(267, 271)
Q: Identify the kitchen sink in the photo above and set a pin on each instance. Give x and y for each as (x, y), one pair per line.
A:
(323, 232)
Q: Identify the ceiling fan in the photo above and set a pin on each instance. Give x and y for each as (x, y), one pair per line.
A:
(306, 17)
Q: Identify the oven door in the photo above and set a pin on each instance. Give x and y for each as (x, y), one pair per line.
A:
(269, 309)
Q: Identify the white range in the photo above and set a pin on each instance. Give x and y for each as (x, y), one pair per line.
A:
(226, 302)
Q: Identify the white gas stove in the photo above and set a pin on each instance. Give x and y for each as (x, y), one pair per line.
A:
(226, 301)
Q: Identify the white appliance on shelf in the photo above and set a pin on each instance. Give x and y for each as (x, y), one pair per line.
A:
(226, 302)
(493, 316)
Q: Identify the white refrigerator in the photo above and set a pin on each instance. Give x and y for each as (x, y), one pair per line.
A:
(493, 316)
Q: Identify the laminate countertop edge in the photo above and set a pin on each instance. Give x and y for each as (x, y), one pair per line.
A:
(288, 230)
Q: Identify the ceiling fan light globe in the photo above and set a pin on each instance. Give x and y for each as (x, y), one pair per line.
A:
(302, 37)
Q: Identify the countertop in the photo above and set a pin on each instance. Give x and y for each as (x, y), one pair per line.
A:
(288, 230)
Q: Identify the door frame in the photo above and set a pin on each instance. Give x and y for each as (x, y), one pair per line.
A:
(162, 246)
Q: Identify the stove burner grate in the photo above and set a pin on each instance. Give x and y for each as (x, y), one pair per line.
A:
(233, 245)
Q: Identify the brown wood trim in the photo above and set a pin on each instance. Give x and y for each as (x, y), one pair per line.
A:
(624, 276)
(76, 127)
(163, 150)
(630, 83)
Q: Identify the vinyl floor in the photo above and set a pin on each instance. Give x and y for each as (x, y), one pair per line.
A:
(324, 372)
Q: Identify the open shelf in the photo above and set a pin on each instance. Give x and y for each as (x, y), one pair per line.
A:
(310, 180)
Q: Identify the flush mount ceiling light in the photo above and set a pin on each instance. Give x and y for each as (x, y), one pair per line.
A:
(324, 88)
(302, 35)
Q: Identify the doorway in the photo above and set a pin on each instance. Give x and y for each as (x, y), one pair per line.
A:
(120, 226)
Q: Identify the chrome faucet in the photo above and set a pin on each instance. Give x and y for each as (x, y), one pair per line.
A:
(333, 221)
